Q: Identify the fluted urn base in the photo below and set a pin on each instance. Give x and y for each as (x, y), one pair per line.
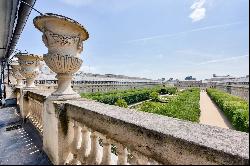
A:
(64, 90)
(30, 84)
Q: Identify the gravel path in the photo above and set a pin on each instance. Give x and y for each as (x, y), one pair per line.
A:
(211, 114)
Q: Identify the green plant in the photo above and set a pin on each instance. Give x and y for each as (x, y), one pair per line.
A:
(121, 103)
(163, 91)
(168, 90)
(235, 108)
(154, 96)
(184, 106)
(130, 96)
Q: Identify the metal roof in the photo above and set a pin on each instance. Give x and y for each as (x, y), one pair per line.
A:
(14, 15)
(8, 10)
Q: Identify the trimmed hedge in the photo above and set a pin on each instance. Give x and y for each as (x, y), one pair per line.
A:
(121, 103)
(168, 90)
(184, 106)
(235, 108)
(130, 96)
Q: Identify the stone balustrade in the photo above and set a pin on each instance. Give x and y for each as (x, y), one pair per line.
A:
(36, 108)
(87, 132)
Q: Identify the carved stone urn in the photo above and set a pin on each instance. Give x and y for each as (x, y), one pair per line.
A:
(29, 68)
(16, 73)
(64, 39)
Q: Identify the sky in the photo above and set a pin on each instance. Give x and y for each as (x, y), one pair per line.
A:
(154, 38)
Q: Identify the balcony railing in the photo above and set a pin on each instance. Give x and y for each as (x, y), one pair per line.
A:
(87, 132)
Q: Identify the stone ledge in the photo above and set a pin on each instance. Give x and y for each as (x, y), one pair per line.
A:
(209, 144)
(38, 94)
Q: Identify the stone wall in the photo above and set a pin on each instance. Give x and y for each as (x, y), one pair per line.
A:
(88, 88)
(240, 91)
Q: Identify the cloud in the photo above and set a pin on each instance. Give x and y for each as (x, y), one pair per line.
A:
(223, 60)
(184, 32)
(199, 12)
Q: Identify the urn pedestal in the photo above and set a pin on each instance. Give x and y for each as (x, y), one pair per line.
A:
(64, 38)
(16, 74)
(29, 68)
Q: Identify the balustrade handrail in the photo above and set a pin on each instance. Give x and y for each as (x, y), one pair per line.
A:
(166, 140)
(37, 96)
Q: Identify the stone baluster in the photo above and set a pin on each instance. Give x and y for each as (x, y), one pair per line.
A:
(84, 151)
(35, 112)
(139, 158)
(74, 144)
(106, 157)
(37, 115)
(94, 157)
(30, 110)
(41, 116)
(152, 162)
(122, 153)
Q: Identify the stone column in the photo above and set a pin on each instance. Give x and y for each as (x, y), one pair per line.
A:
(63, 37)
(29, 68)
(16, 74)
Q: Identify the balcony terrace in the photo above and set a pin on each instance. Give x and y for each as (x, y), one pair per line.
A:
(73, 130)
(82, 131)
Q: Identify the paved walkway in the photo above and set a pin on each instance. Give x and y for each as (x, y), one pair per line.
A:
(20, 146)
(211, 114)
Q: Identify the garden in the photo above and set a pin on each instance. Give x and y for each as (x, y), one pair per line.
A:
(128, 96)
(183, 105)
(170, 102)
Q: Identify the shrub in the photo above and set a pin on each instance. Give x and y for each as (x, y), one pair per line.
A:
(168, 90)
(171, 90)
(235, 108)
(121, 103)
(163, 91)
(154, 96)
(130, 96)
